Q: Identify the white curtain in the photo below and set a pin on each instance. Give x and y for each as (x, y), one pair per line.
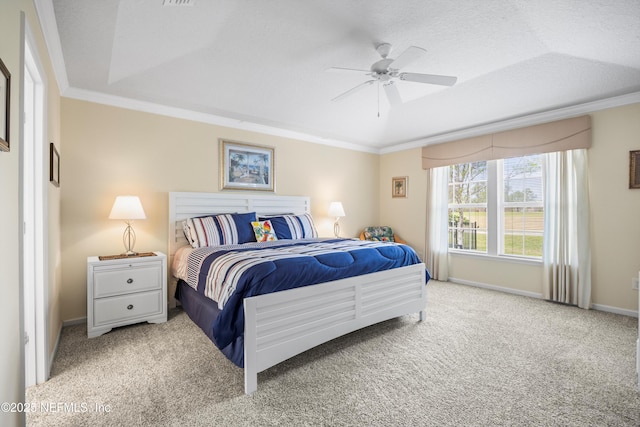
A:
(437, 240)
(566, 248)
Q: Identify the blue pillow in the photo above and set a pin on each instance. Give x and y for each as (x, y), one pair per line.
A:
(293, 227)
(243, 225)
(216, 230)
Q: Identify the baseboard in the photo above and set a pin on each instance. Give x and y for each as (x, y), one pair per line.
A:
(615, 310)
(77, 321)
(599, 307)
(496, 288)
(52, 356)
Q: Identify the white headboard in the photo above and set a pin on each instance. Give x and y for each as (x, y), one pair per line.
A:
(187, 205)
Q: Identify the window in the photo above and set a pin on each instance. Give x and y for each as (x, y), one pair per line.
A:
(468, 206)
(496, 206)
(521, 208)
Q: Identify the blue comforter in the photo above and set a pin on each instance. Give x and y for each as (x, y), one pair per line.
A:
(283, 265)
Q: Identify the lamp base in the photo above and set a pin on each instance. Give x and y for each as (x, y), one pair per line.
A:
(129, 240)
(336, 229)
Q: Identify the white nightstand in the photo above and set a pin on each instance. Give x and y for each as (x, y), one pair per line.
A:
(125, 291)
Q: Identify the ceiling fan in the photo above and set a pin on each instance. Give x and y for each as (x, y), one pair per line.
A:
(386, 71)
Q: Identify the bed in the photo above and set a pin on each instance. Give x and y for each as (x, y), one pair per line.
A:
(277, 326)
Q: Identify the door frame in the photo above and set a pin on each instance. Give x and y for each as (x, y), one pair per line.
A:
(34, 300)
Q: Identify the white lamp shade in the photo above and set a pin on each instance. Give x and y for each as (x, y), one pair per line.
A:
(336, 209)
(127, 207)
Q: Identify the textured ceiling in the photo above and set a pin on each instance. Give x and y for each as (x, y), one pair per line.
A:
(265, 62)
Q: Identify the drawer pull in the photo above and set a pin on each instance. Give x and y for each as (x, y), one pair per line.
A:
(129, 281)
(130, 307)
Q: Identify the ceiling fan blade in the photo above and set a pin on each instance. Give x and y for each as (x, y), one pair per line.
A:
(433, 79)
(392, 94)
(348, 70)
(407, 57)
(353, 90)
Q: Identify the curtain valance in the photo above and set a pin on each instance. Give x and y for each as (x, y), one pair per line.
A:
(562, 135)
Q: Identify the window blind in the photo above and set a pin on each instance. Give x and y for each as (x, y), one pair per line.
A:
(562, 135)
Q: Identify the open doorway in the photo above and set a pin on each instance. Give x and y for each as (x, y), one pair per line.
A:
(33, 196)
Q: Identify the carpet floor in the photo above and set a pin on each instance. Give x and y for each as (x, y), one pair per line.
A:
(481, 358)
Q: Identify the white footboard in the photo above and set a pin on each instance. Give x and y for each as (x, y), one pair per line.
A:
(281, 325)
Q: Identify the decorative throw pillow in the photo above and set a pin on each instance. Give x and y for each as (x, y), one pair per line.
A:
(380, 234)
(293, 227)
(216, 230)
(264, 231)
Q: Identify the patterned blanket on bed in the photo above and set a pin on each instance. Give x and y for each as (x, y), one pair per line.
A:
(228, 274)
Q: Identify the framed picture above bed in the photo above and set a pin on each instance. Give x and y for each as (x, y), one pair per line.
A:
(246, 166)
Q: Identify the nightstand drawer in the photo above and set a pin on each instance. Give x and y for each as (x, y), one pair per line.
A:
(134, 278)
(126, 307)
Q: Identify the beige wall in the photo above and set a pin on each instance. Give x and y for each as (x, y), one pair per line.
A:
(11, 383)
(111, 151)
(405, 215)
(54, 278)
(11, 370)
(614, 216)
(615, 209)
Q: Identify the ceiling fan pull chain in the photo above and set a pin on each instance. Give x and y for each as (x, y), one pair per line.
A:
(378, 99)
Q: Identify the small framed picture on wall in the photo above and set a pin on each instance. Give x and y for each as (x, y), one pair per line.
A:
(54, 165)
(399, 186)
(634, 169)
(5, 104)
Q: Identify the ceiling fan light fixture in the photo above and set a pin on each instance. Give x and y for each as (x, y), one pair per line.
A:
(387, 71)
(384, 49)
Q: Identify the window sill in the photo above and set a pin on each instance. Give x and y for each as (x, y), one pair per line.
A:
(501, 258)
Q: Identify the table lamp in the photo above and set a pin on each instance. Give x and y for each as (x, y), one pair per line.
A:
(128, 208)
(336, 210)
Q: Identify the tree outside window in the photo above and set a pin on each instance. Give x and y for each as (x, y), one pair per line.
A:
(514, 215)
(468, 206)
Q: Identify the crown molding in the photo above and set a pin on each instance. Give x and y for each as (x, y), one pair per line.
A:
(149, 107)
